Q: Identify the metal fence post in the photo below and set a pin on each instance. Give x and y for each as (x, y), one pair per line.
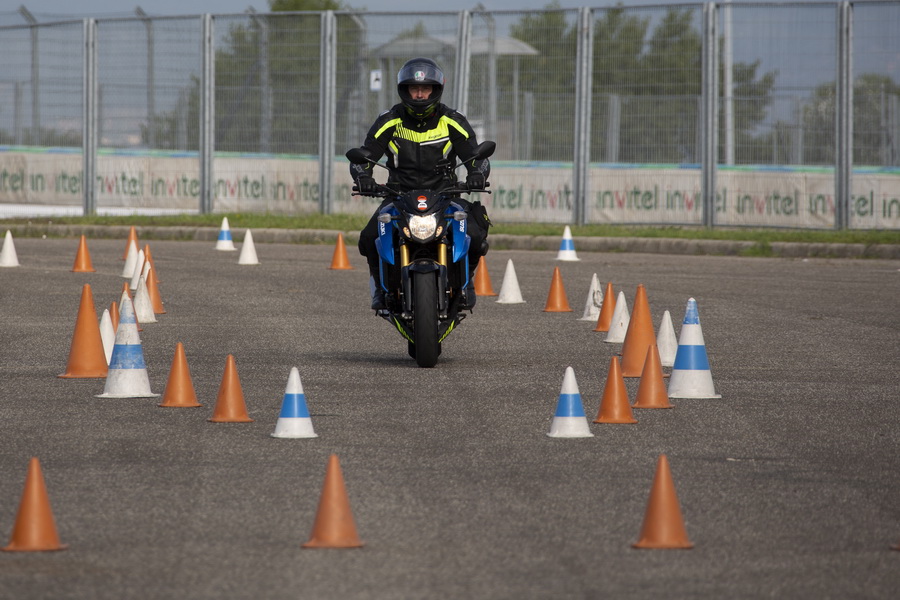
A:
(35, 77)
(89, 124)
(581, 139)
(207, 114)
(709, 113)
(327, 110)
(843, 118)
(463, 56)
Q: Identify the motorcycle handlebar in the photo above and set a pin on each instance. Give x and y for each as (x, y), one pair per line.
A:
(383, 191)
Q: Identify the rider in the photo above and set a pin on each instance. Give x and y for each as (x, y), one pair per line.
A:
(416, 134)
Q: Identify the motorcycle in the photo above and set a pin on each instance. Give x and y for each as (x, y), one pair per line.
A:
(423, 244)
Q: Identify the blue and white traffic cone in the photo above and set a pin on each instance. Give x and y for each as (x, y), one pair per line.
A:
(127, 375)
(225, 242)
(567, 246)
(294, 421)
(569, 420)
(691, 377)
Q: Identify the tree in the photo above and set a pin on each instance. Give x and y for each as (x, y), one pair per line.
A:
(267, 84)
(646, 84)
(876, 99)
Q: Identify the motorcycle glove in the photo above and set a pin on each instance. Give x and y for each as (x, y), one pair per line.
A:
(366, 184)
(475, 180)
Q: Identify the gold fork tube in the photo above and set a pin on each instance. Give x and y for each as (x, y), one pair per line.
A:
(404, 256)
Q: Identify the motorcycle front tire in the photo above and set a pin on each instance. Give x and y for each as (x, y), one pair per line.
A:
(425, 319)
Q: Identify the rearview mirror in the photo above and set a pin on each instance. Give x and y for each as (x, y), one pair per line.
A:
(358, 156)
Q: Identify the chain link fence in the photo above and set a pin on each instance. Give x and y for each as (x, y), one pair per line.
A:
(600, 114)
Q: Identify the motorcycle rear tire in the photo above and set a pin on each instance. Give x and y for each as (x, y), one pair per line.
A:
(425, 319)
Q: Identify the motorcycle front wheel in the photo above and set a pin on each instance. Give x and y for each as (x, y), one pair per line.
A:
(425, 319)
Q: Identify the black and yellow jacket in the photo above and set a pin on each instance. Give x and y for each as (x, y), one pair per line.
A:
(414, 147)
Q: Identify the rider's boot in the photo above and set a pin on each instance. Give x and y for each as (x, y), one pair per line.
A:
(378, 301)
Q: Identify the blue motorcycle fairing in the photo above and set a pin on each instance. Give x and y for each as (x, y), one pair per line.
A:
(385, 242)
(459, 233)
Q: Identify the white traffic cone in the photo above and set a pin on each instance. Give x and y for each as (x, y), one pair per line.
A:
(509, 289)
(127, 376)
(225, 242)
(8, 256)
(594, 301)
(294, 421)
(691, 377)
(107, 334)
(666, 342)
(569, 420)
(138, 271)
(143, 304)
(248, 251)
(130, 260)
(567, 246)
(618, 326)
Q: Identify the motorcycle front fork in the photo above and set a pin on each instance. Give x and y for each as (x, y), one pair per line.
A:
(443, 299)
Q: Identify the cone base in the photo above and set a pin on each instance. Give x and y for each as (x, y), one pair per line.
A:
(302, 428)
(147, 395)
(341, 544)
(646, 545)
(197, 405)
(12, 548)
(695, 396)
(652, 407)
(291, 436)
(224, 420)
(616, 421)
(91, 375)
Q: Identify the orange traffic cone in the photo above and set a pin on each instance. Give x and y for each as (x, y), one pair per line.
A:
(179, 388)
(152, 286)
(663, 524)
(614, 407)
(132, 237)
(230, 406)
(114, 314)
(334, 526)
(35, 528)
(87, 359)
(483, 280)
(651, 391)
(83, 258)
(556, 299)
(638, 337)
(339, 260)
(606, 309)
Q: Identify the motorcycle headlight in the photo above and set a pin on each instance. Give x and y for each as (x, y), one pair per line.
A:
(422, 228)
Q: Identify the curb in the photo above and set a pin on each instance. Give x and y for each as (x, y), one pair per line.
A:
(677, 246)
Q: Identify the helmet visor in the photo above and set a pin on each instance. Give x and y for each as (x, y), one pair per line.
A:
(420, 73)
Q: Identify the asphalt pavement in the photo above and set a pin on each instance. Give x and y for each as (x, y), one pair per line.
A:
(788, 484)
